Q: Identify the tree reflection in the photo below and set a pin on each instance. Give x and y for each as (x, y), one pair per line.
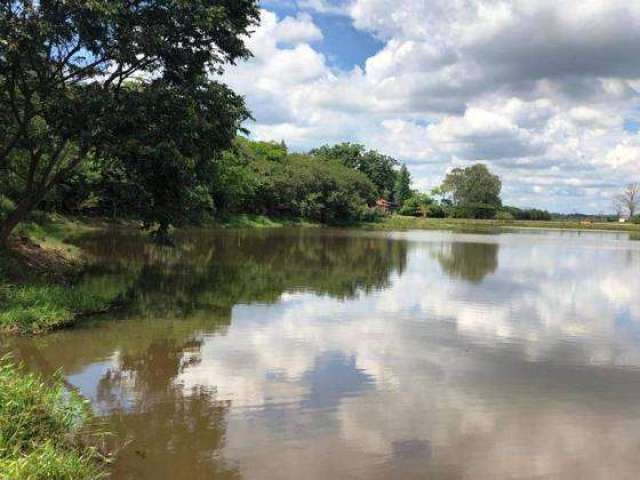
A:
(468, 261)
(217, 270)
(166, 429)
(170, 298)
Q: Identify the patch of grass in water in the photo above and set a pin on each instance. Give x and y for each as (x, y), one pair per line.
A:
(41, 430)
(40, 289)
(37, 308)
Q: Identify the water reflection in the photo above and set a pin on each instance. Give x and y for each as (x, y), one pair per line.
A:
(324, 354)
(468, 261)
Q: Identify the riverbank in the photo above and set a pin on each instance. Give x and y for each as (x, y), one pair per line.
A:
(41, 430)
(41, 422)
(40, 289)
(398, 222)
(261, 221)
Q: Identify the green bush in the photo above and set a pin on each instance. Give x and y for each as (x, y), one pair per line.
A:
(479, 211)
(6, 206)
(418, 205)
(635, 220)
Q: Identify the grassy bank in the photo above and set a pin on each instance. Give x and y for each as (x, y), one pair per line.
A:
(39, 279)
(261, 221)
(398, 222)
(41, 430)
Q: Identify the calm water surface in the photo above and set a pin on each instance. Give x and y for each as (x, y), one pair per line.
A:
(321, 354)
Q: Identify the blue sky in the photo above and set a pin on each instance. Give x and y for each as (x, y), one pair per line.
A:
(544, 92)
(342, 44)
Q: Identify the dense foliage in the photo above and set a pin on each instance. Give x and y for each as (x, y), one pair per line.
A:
(120, 83)
(402, 187)
(250, 177)
(379, 168)
(269, 180)
(514, 213)
(473, 192)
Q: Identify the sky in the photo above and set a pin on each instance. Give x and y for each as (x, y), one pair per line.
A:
(545, 92)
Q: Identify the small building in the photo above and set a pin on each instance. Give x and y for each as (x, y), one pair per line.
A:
(385, 206)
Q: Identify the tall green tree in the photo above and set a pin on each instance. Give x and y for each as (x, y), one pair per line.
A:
(402, 188)
(65, 74)
(474, 190)
(381, 169)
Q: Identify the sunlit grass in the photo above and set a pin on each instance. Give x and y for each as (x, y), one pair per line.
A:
(40, 430)
(399, 222)
(39, 287)
(50, 232)
(35, 308)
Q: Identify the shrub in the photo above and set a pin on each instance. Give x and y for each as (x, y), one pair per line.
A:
(418, 205)
(479, 211)
(6, 206)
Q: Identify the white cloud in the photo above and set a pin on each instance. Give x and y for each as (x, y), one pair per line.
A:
(536, 85)
(298, 29)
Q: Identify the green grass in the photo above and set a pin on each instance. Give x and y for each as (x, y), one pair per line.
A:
(39, 279)
(51, 231)
(262, 221)
(398, 222)
(39, 307)
(41, 427)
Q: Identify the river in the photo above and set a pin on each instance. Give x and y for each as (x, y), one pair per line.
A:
(336, 354)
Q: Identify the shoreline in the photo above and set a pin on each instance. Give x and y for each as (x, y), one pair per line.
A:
(397, 222)
(39, 275)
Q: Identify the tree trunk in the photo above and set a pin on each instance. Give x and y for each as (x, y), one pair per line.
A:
(13, 220)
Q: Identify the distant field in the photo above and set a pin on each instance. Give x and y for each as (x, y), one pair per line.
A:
(398, 222)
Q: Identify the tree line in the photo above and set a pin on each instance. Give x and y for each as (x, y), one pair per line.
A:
(117, 109)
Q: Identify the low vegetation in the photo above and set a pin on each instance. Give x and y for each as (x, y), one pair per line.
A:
(400, 222)
(40, 283)
(38, 307)
(41, 430)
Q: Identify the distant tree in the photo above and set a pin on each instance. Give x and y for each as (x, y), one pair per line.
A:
(629, 200)
(418, 204)
(65, 74)
(381, 169)
(474, 191)
(402, 188)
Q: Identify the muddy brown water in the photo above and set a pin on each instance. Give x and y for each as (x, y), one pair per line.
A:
(330, 354)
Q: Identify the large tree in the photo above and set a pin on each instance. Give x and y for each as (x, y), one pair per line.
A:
(73, 73)
(381, 169)
(474, 189)
(402, 188)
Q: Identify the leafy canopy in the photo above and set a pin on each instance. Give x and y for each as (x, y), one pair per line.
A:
(402, 188)
(381, 169)
(473, 186)
(66, 69)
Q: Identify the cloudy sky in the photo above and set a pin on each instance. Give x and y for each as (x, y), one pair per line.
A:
(544, 91)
